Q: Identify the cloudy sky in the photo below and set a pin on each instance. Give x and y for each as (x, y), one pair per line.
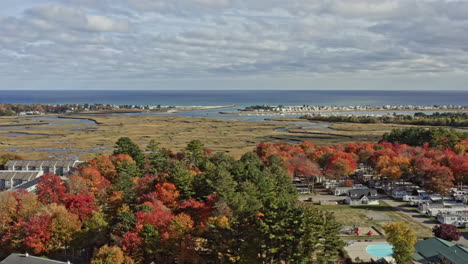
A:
(234, 44)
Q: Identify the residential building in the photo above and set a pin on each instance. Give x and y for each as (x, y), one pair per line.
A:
(361, 196)
(12, 179)
(435, 209)
(436, 250)
(58, 167)
(458, 220)
(344, 190)
(28, 259)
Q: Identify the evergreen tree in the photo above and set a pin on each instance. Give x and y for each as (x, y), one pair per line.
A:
(125, 145)
(182, 178)
(157, 157)
(194, 151)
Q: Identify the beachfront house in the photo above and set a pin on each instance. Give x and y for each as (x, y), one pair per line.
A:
(58, 167)
(436, 250)
(12, 179)
(458, 220)
(361, 196)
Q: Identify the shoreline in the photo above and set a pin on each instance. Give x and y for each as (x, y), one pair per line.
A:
(162, 110)
(242, 112)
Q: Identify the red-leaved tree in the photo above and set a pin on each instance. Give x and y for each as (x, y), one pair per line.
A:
(51, 189)
(447, 232)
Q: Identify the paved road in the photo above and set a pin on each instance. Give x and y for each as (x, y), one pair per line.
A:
(426, 221)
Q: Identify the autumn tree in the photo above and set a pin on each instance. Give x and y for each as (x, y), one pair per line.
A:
(403, 238)
(83, 205)
(8, 205)
(125, 145)
(105, 166)
(439, 179)
(447, 232)
(168, 194)
(459, 166)
(108, 255)
(6, 157)
(339, 165)
(301, 166)
(51, 189)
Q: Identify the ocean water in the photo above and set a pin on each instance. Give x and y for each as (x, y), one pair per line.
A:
(240, 98)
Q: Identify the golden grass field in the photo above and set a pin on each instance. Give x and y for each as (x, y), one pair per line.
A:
(36, 140)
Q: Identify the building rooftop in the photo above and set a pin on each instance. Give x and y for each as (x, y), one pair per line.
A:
(18, 175)
(431, 249)
(359, 193)
(28, 259)
(43, 163)
(26, 185)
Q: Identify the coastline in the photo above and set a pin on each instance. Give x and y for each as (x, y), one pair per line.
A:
(163, 109)
(337, 111)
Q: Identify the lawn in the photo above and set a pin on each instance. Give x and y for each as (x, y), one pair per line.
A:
(359, 215)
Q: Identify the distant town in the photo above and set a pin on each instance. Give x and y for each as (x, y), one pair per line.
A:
(281, 109)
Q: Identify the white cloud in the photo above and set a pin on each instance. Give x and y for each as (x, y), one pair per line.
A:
(151, 39)
(76, 18)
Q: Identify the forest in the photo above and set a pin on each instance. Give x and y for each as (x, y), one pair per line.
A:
(196, 206)
(457, 119)
(190, 207)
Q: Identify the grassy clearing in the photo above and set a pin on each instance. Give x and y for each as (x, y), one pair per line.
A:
(357, 215)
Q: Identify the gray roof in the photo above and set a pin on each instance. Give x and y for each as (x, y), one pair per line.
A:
(27, 185)
(23, 259)
(18, 175)
(359, 193)
(43, 163)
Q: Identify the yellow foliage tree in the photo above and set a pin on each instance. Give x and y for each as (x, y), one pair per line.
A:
(403, 238)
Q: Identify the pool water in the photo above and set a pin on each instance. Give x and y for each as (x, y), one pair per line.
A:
(380, 250)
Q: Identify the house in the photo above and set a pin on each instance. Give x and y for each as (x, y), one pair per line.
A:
(458, 220)
(436, 250)
(344, 190)
(337, 191)
(399, 193)
(28, 259)
(361, 196)
(436, 209)
(29, 186)
(58, 167)
(12, 179)
(416, 196)
(302, 188)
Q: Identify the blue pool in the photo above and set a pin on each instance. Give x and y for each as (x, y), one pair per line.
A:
(380, 250)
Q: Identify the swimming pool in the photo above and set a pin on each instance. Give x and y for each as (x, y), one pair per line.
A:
(380, 250)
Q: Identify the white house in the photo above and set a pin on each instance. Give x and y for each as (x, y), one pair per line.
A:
(361, 196)
(344, 190)
(458, 220)
(337, 191)
(437, 209)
